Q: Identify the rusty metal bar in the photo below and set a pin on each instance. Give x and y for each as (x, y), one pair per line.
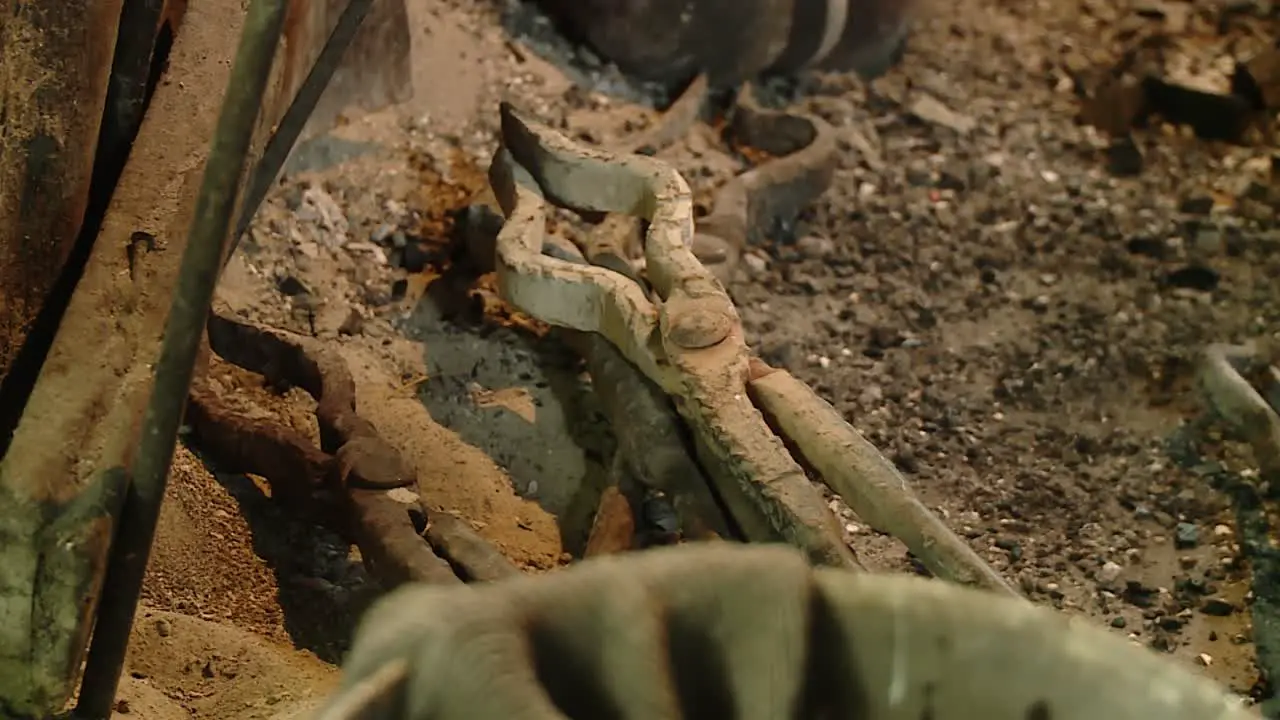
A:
(197, 279)
(349, 480)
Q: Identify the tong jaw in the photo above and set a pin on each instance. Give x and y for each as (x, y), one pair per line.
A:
(534, 163)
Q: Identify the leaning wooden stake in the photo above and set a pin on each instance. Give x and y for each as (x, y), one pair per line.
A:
(856, 471)
(197, 278)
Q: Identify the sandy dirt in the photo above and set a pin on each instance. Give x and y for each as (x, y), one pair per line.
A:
(976, 293)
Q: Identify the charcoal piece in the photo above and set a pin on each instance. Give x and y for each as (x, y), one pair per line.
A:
(1124, 159)
(1193, 277)
(1212, 116)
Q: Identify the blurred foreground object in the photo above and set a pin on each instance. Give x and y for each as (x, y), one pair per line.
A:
(734, 40)
(722, 630)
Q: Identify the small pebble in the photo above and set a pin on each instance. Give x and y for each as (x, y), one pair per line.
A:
(382, 233)
(815, 247)
(1186, 536)
(353, 324)
(1109, 572)
(755, 263)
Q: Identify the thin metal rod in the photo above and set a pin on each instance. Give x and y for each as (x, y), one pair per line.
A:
(127, 88)
(193, 295)
(295, 118)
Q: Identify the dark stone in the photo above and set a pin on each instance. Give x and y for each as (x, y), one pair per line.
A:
(1013, 547)
(1217, 607)
(1162, 642)
(1124, 159)
(1186, 535)
(291, 286)
(1139, 595)
(399, 289)
(1200, 205)
(1211, 115)
(1193, 277)
(1148, 246)
(906, 462)
(414, 257)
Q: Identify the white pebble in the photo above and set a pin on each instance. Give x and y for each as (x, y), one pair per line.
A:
(1109, 572)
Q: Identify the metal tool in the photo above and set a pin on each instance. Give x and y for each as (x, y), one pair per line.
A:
(773, 194)
(747, 209)
(689, 341)
(750, 206)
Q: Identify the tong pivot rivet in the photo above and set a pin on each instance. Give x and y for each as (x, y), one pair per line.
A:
(699, 328)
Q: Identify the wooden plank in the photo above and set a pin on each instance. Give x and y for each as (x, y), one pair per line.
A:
(65, 472)
(56, 57)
